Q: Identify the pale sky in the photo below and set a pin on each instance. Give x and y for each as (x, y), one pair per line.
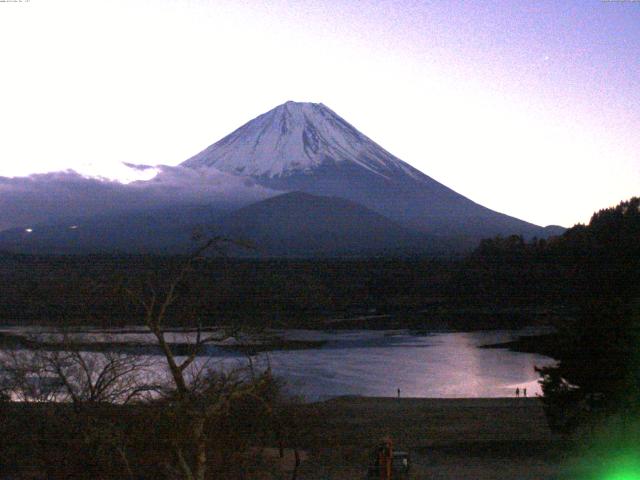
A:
(529, 108)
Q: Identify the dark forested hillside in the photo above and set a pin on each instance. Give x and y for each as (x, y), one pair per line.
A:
(595, 269)
(599, 259)
(88, 289)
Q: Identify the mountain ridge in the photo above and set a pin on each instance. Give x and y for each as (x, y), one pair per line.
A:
(334, 174)
(301, 224)
(307, 147)
(295, 137)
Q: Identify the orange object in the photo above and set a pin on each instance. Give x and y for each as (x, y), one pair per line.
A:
(385, 459)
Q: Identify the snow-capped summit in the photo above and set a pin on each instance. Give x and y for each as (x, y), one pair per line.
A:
(347, 196)
(296, 137)
(307, 147)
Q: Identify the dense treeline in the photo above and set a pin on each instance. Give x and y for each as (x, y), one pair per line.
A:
(87, 289)
(413, 292)
(599, 259)
(596, 269)
(599, 351)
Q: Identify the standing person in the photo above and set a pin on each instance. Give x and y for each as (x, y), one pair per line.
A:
(524, 391)
(517, 392)
(398, 394)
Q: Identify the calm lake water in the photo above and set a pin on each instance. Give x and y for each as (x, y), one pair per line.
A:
(436, 365)
(377, 363)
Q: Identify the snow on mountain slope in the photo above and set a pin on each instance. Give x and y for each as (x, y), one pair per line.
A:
(307, 147)
(296, 138)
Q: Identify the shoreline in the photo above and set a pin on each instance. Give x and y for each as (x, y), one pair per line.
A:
(447, 438)
(547, 344)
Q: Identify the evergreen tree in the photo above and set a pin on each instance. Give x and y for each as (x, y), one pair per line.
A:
(598, 370)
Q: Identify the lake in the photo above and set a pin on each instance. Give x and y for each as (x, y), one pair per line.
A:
(377, 363)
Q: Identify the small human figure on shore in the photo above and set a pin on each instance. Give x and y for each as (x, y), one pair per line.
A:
(524, 392)
(517, 392)
(398, 394)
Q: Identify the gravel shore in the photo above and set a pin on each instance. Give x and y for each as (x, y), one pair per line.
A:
(497, 438)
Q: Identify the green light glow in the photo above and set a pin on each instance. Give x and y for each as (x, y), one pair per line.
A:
(623, 469)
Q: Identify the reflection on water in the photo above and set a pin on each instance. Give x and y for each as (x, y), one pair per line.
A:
(377, 363)
(438, 365)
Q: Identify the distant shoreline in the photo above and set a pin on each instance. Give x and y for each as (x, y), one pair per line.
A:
(547, 344)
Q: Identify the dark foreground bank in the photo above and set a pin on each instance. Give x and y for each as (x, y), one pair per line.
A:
(498, 438)
(501, 438)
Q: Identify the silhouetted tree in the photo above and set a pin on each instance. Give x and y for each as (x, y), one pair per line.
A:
(55, 369)
(598, 352)
(195, 396)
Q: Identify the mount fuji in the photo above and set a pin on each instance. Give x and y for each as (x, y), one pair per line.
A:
(307, 147)
(298, 180)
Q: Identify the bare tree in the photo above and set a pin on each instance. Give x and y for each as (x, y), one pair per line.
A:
(24, 378)
(192, 392)
(198, 394)
(60, 371)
